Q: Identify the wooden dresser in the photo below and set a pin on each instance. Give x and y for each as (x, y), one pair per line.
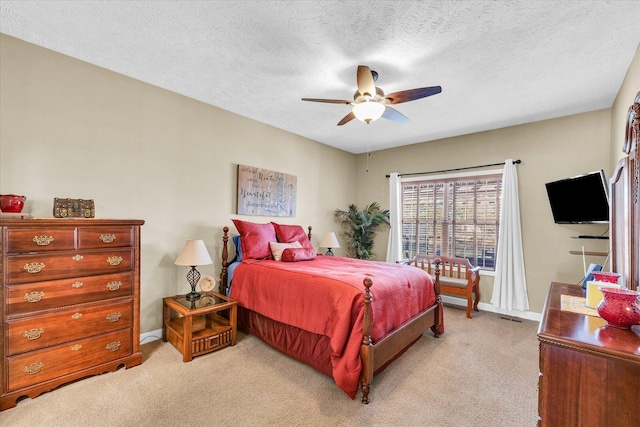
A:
(69, 304)
(589, 372)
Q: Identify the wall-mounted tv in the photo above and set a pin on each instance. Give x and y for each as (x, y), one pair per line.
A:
(582, 199)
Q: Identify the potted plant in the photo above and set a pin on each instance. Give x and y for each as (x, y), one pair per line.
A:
(359, 228)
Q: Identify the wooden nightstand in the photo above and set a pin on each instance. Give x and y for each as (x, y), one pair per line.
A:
(199, 327)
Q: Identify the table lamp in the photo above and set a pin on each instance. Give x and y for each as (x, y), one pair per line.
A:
(193, 254)
(329, 241)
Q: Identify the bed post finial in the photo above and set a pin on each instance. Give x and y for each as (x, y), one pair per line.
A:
(225, 264)
(366, 326)
(366, 351)
(436, 285)
(437, 328)
(309, 233)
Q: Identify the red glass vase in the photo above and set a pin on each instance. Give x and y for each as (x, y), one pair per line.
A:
(607, 277)
(619, 307)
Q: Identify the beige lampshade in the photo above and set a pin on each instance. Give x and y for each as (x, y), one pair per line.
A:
(194, 253)
(329, 241)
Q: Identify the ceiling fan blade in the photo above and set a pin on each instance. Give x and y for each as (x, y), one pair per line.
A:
(347, 119)
(411, 94)
(365, 81)
(395, 115)
(330, 101)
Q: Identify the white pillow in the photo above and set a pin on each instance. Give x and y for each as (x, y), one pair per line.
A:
(278, 248)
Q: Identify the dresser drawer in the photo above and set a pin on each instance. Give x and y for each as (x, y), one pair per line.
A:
(69, 325)
(112, 237)
(40, 239)
(43, 365)
(59, 293)
(31, 268)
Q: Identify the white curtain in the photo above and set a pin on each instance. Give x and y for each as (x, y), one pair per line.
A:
(394, 248)
(510, 285)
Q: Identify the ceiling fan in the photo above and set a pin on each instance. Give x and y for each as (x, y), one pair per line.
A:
(370, 103)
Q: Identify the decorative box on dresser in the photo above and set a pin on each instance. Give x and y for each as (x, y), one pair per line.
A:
(589, 372)
(69, 304)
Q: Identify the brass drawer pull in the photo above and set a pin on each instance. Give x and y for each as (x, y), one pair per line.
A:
(114, 346)
(76, 347)
(76, 315)
(77, 285)
(108, 238)
(113, 317)
(114, 260)
(43, 240)
(77, 257)
(34, 296)
(34, 368)
(33, 334)
(114, 286)
(34, 267)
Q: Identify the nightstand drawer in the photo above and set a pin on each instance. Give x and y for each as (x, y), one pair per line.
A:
(59, 293)
(103, 237)
(69, 325)
(31, 268)
(40, 239)
(42, 365)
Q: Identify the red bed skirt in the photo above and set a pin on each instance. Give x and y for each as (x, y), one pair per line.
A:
(303, 346)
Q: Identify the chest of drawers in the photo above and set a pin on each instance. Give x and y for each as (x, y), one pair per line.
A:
(69, 302)
(589, 372)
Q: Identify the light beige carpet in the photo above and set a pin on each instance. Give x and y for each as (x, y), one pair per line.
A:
(481, 372)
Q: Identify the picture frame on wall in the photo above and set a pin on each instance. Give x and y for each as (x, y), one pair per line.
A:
(264, 192)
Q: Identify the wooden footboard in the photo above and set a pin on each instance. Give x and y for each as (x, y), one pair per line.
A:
(374, 356)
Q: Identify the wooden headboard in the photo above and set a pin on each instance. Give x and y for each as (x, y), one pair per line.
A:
(625, 205)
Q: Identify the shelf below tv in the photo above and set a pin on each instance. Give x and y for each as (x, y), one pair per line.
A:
(588, 253)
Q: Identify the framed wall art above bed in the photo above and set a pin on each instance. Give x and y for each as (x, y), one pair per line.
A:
(266, 193)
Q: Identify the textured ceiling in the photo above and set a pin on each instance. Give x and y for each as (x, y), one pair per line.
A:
(499, 63)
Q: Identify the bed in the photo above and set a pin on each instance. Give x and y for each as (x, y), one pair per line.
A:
(346, 318)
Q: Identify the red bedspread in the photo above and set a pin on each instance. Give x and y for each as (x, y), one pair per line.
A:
(325, 296)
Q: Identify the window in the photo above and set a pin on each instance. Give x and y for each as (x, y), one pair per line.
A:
(453, 216)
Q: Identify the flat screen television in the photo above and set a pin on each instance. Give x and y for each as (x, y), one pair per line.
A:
(582, 199)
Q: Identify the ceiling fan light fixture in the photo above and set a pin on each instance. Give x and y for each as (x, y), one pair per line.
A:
(368, 111)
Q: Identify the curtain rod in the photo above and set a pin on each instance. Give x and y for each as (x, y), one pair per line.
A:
(515, 162)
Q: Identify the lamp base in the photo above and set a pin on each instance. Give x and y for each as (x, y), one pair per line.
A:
(192, 296)
(192, 277)
(329, 252)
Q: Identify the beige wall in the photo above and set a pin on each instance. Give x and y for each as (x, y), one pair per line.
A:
(71, 129)
(549, 150)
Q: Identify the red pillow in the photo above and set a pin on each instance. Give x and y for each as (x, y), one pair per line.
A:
(292, 233)
(255, 238)
(298, 254)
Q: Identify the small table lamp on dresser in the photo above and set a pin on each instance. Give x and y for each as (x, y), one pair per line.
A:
(193, 254)
(329, 241)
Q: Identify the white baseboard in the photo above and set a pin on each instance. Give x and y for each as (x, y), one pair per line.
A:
(529, 315)
(151, 336)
